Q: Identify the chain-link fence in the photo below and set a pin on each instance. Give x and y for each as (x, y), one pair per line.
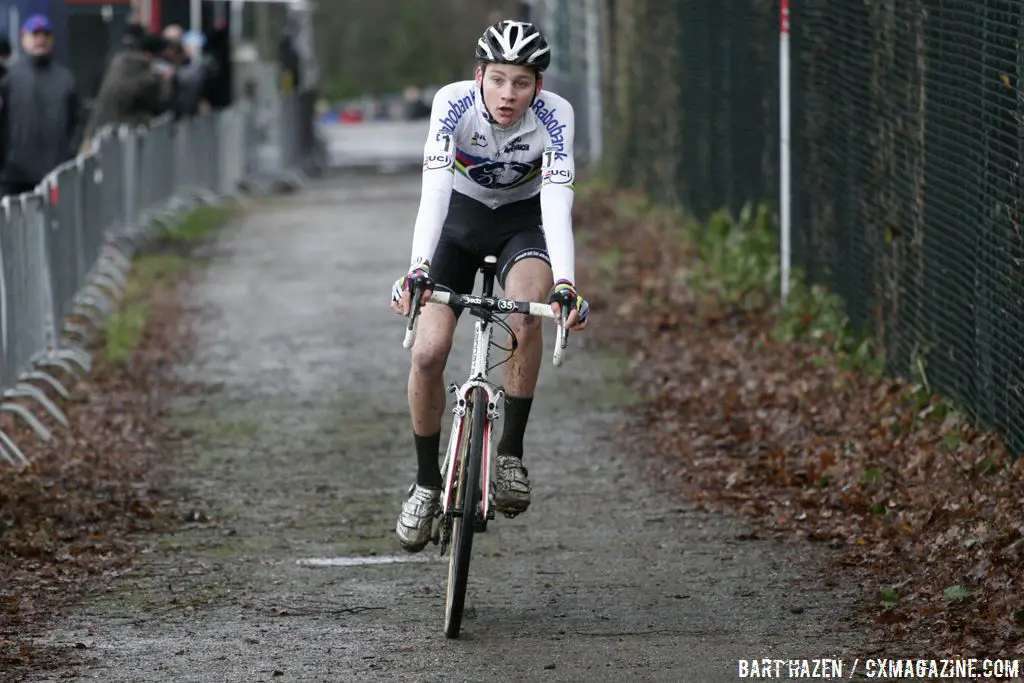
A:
(65, 247)
(572, 29)
(907, 139)
(907, 177)
(691, 97)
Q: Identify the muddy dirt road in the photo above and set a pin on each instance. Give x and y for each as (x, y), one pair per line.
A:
(302, 450)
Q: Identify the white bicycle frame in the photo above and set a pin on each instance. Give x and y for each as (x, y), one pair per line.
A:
(482, 334)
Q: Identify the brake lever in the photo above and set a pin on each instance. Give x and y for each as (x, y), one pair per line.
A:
(415, 302)
(565, 330)
(414, 310)
(565, 310)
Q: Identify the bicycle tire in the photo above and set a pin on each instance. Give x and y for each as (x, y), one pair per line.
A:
(468, 498)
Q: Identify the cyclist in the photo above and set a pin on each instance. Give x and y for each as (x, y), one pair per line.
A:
(498, 175)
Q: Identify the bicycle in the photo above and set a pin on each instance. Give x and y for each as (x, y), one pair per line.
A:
(476, 404)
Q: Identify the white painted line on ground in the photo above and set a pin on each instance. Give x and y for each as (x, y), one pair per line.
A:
(363, 561)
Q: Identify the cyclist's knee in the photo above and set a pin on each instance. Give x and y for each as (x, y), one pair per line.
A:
(433, 342)
(528, 280)
(429, 359)
(525, 326)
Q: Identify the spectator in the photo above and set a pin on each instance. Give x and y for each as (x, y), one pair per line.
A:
(171, 59)
(5, 56)
(173, 54)
(173, 35)
(217, 86)
(288, 59)
(191, 76)
(41, 111)
(133, 35)
(396, 111)
(378, 111)
(416, 108)
(5, 63)
(135, 88)
(130, 40)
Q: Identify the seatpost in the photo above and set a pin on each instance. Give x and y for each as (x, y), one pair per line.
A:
(488, 288)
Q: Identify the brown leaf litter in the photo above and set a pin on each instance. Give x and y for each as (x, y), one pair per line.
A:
(923, 510)
(66, 522)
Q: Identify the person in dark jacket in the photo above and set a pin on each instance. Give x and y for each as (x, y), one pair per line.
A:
(131, 39)
(134, 89)
(5, 64)
(190, 76)
(217, 85)
(40, 114)
(134, 33)
(5, 56)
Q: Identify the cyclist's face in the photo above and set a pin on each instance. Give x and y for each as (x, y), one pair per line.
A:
(508, 90)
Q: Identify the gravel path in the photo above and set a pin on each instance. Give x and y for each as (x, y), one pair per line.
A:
(301, 449)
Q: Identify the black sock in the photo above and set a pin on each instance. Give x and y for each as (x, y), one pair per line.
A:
(517, 412)
(429, 469)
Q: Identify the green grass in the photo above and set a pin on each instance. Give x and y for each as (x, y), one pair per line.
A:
(152, 272)
(123, 332)
(738, 263)
(198, 225)
(738, 259)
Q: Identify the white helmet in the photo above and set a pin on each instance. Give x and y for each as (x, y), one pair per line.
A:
(514, 42)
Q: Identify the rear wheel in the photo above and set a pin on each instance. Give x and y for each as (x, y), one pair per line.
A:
(467, 500)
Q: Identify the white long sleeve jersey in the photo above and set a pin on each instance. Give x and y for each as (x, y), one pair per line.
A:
(496, 166)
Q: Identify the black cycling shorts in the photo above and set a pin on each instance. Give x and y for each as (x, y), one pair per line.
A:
(473, 230)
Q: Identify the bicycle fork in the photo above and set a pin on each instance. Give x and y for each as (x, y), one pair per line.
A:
(458, 448)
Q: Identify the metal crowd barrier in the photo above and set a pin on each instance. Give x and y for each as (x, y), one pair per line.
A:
(299, 146)
(65, 247)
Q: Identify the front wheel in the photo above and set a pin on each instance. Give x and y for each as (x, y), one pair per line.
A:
(467, 500)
